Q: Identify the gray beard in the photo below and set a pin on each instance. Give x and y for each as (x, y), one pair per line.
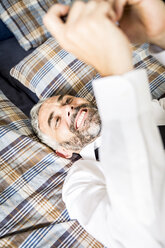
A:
(89, 133)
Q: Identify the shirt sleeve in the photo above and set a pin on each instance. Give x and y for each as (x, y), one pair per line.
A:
(128, 197)
(158, 106)
(158, 110)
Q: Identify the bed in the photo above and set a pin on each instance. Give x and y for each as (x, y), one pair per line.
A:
(32, 213)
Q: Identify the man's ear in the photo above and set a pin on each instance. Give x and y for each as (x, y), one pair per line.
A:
(63, 152)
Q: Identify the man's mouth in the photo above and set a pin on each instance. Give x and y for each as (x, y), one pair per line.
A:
(80, 118)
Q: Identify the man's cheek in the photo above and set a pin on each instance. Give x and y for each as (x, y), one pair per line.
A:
(64, 134)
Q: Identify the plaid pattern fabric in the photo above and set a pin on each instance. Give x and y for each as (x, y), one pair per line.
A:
(51, 70)
(155, 71)
(24, 19)
(32, 213)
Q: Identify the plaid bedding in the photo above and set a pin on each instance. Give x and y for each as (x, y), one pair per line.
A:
(51, 70)
(155, 70)
(24, 19)
(32, 213)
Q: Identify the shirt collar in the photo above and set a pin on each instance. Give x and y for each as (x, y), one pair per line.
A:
(88, 152)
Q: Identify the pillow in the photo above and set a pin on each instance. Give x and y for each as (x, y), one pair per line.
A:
(155, 71)
(24, 19)
(32, 212)
(4, 32)
(51, 70)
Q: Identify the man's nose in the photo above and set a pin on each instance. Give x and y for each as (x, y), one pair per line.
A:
(68, 110)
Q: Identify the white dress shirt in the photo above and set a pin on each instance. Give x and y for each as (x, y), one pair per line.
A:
(121, 200)
(158, 111)
(88, 152)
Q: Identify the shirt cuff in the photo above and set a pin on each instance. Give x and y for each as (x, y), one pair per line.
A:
(128, 88)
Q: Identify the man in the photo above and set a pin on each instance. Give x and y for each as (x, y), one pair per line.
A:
(120, 200)
(80, 142)
(70, 124)
(67, 124)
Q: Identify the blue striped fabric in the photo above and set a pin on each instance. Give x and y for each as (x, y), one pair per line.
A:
(32, 213)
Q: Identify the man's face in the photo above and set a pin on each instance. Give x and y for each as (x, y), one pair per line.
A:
(73, 122)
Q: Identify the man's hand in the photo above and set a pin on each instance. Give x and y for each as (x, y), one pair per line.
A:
(142, 20)
(91, 35)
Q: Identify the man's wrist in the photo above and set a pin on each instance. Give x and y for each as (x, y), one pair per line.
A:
(117, 69)
(115, 73)
(158, 39)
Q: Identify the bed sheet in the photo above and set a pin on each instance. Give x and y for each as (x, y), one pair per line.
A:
(32, 213)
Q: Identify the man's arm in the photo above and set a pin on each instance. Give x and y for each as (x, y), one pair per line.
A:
(144, 21)
(123, 194)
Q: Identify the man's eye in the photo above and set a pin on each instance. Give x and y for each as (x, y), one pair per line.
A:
(57, 121)
(68, 101)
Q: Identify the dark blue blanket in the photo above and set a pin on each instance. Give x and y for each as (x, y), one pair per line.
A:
(10, 54)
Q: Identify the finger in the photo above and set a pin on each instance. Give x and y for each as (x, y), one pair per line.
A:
(112, 13)
(103, 7)
(107, 8)
(119, 8)
(76, 11)
(52, 20)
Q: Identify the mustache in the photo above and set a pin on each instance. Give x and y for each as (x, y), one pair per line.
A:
(77, 109)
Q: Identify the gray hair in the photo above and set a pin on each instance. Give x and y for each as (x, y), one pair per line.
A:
(35, 125)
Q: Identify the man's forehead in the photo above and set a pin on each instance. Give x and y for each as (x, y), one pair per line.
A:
(52, 99)
(51, 102)
(47, 104)
(57, 98)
